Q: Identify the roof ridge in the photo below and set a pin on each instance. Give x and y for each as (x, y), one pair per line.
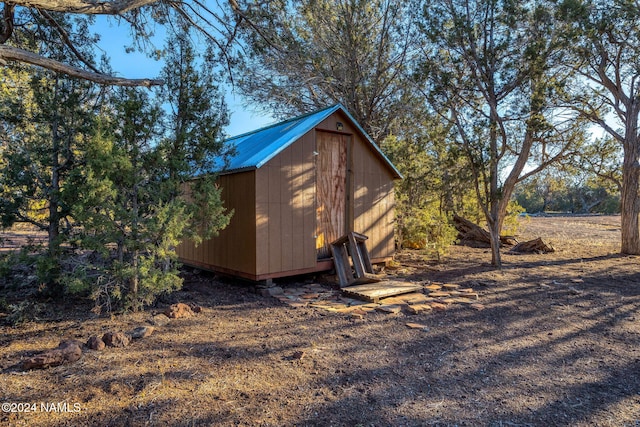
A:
(280, 123)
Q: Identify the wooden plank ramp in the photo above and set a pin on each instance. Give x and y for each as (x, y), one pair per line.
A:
(373, 292)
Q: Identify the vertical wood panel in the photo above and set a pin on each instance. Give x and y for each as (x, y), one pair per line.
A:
(275, 222)
(309, 198)
(234, 247)
(262, 220)
(331, 189)
(373, 198)
(297, 203)
(287, 207)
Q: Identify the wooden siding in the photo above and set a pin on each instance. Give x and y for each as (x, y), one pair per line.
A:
(331, 197)
(285, 210)
(372, 189)
(234, 249)
(373, 202)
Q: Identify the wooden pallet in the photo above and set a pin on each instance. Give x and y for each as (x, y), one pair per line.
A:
(352, 245)
(374, 292)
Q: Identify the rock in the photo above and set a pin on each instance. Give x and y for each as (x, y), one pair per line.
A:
(438, 306)
(438, 294)
(160, 320)
(297, 304)
(141, 332)
(478, 307)
(391, 309)
(310, 296)
(414, 298)
(195, 308)
(67, 352)
(178, 311)
(272, 291)
(115, 339)
(417, 326)
(418, 308)
(95, 343)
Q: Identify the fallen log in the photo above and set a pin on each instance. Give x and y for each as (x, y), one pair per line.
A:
(471, 234)
(536, 246)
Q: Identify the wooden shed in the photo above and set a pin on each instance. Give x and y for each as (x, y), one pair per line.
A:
(295, 187)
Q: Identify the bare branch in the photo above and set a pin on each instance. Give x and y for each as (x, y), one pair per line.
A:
(87, 7)
(67, 41)
(9, 53)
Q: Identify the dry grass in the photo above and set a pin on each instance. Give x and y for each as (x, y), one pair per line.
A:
(557, 344)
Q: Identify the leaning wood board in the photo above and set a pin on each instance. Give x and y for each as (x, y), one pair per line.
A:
(373, 292)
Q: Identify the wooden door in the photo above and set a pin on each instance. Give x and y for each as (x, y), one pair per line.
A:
(331, 190)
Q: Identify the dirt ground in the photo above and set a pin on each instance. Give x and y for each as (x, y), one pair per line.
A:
(557, 344)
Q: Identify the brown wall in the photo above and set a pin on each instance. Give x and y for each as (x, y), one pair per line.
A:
(285, 209)
(235, 248)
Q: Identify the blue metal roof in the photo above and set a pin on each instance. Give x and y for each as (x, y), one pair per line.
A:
(254, 149)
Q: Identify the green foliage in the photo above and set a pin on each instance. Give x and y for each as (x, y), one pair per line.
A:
(511, 219)
(47, 122)
(492, 71)
(431, 185)
(136, 193)
(570, 191)
(313, 53)
(427, 229)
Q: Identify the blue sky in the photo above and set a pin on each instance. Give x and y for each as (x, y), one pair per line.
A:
(114, 40)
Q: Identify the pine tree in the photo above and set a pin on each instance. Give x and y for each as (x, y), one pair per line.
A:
(148, 181)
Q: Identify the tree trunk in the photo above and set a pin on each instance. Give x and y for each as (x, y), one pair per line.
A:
(629, 200)
(54, 191)
(496, 258)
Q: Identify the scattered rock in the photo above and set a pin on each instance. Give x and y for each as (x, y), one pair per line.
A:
(418, 308)
(438, 306)
(270, 292)
(478, 307)
(414, 298)
(115, 339)
(141, 332)
(417, 326)
(310, 296)
(95, 343)
(391, 309)
(178, 311)
(195, 308)
(438, 294)
(67, 352)
(160, 320)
